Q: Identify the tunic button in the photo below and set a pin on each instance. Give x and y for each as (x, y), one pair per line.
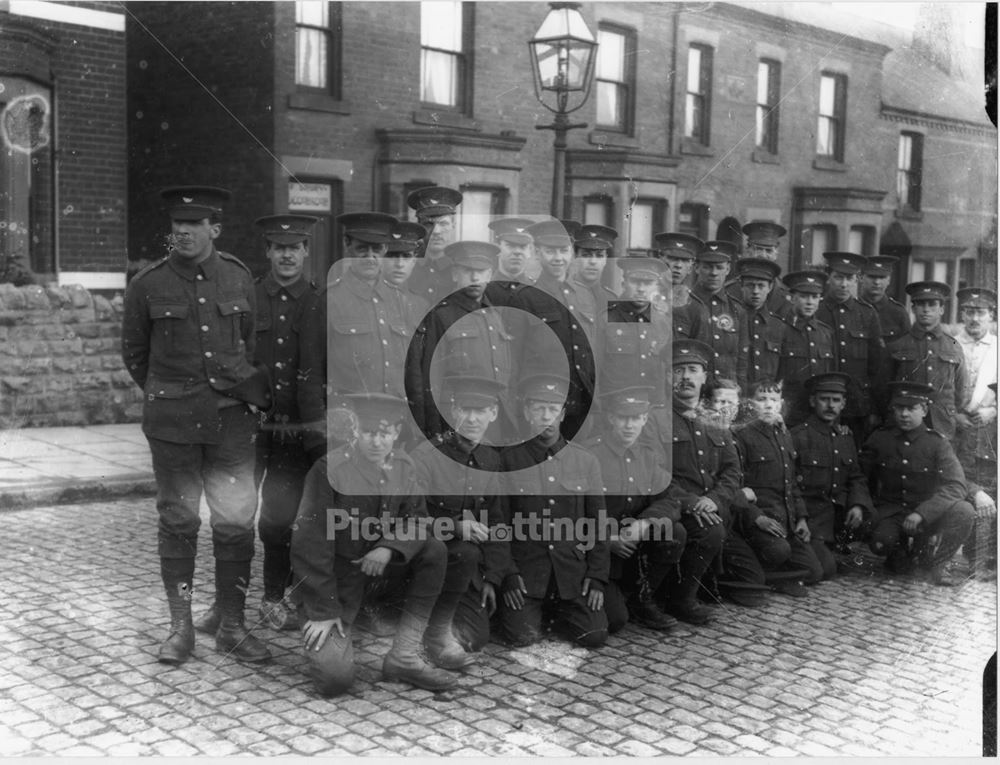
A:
(552, 547)
(167, 313)
(551, 478)
(284, 297)
(208, 354)
(211, 380)
(282, 317)
(200, 278)
(201, 301)
(281, 340)
(204, 328)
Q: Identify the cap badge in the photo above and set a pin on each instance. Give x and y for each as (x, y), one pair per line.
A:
(285, 226)
(187, 200)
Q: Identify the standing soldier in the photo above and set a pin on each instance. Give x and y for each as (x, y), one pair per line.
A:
(554, 567)
(892, 316)
(857, 341)
(763, 240)
(678, 251)
(637, 337)
(919, 488)
(188, 341)
(764, 330)
(594, 246)
(807, 347)
(435, 208)
(927, 354)
(569, 311)
(723, 316)
(830, 478)
(356, 339)
(511, 277)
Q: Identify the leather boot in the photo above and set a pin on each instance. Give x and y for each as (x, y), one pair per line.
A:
(208, 622)
(404, 662)
(442, 647)
(177, 575)
(233, 638)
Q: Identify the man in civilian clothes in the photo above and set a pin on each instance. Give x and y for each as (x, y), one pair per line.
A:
(857, 342)
(435, 207)
(807, 347)
(830, 478)
(515, 243)
(922, 517)
(188, 342)
(360, 521)
(893, 317)
(554, 503)
(650, 539)
(765, 330)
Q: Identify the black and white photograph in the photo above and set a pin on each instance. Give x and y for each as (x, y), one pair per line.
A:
(456, 378)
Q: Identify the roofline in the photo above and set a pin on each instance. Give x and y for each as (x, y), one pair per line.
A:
(929, 119)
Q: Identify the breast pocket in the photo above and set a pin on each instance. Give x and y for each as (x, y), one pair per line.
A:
(857, 346)
(621, 341)
(169, 319)
(354, 345)
(234, 314)
(815, 467)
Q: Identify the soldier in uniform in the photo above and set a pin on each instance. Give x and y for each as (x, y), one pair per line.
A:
(477, 562)
(765, 331)
(401, 258)
(723, 316)
(188, 342)
(763, 240)
(552, 570)
(569, 311)
(678, 251)
(928, 354)
(462, 335)
(284, 298)
(637, 337)
(515, 243)
(857, 341)
(892, 315)
(833, 487)
(435, 209)
(807, 347)
(922, 517)
(705, 478)
(594, 245)
(650, 538)
(358, 522)
(356, 339)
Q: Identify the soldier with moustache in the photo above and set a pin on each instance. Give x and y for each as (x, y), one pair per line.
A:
(649, 539)
(765, 331)
(807, 346)
(723, 316)
(435, 208)
(284, 299)
(188, 340)
(569, 311)
(922, 517)
(460, 476)
(928, 354)
(876, 274)
(595, 246)
(515, 243)
(833, 487)
(857, 341)
(356, 339)
(637, 337)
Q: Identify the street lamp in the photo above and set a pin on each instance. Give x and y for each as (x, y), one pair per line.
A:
(563, 51)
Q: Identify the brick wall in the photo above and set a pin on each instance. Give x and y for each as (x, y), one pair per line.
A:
(60, 362)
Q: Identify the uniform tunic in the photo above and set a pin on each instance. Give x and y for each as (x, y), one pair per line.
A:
(636, 346)
(933, 357)
(725, 320)
(858, 351)
(829, 475)
(431, 279)
(763, 349)
(767, 455)
(502, 291)
(893, 318)
(806, 350)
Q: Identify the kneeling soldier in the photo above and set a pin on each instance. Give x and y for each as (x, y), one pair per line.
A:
(650, 538)
(357, 521)
(919, 488)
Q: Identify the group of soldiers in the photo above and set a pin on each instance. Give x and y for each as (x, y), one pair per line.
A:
(446, 444)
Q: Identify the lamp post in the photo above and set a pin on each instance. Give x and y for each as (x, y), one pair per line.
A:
(563, 52)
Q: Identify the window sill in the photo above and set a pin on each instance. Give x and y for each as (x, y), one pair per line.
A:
(607, 137)
(764, 157)
(692, 146)
(907, 213)
(444, 118)
(829, 163)
(318, 102)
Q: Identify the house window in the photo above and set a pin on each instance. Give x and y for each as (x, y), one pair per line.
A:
(693, 219)
(645, 219)
(768, 89)
(445, 58)
(824, 239)
(908, 170)
(698, 98)
(317, 46)
(966, 273)
(615, 78)
(597, 210)
(861, 240)
(832, 110)
(479, 206)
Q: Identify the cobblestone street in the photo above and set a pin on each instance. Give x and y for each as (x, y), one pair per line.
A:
(865, 665)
